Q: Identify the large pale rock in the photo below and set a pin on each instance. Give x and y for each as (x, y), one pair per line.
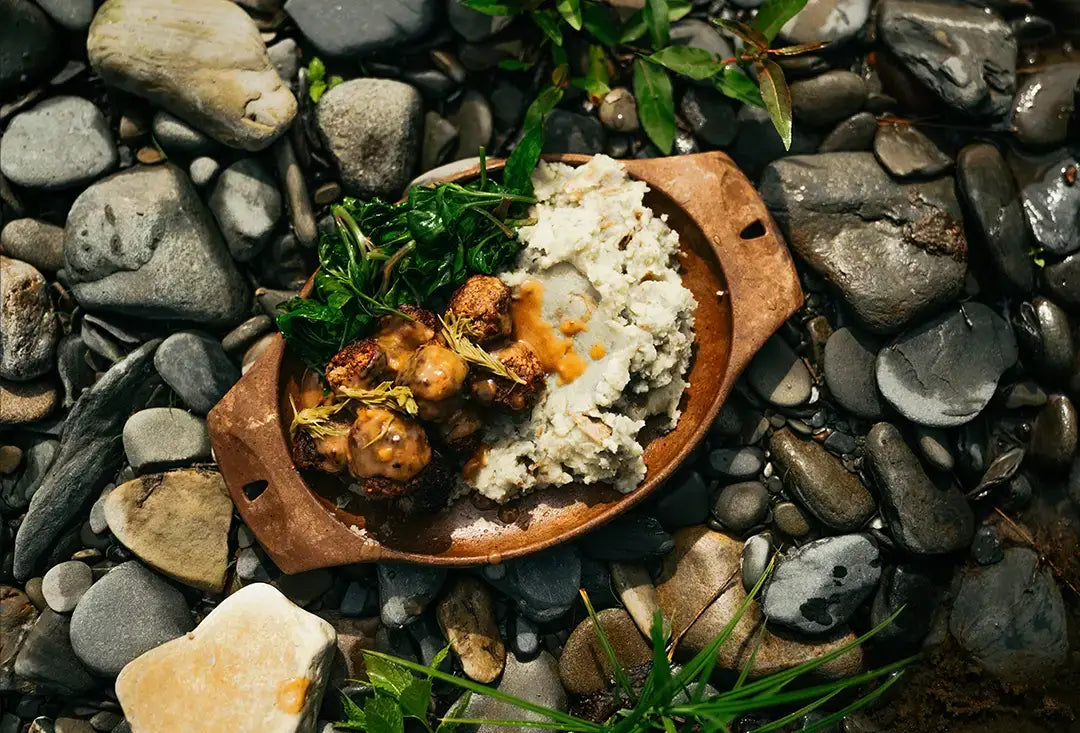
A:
(256, 663)
(202, 60)
(467, 619)
(177, 523)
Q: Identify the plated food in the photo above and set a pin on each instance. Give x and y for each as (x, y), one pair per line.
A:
(533, 368)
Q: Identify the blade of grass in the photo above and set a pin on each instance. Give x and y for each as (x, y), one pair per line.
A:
(621, 680)
(745, 672)
(793, 716)
(539, 724)
(849, 709)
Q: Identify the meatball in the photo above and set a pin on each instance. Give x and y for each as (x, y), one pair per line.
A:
(329, 454)
(460, 430)
(434, 373)
(430, 489)
(400, 337)
(492, 389)
(360, 365)
(485, 301)
(386, 444)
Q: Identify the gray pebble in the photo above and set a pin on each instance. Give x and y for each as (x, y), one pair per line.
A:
(165, 437)
(65, 584)
(778, 374)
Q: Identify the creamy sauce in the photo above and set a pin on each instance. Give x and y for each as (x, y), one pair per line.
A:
(399, 338)
(434, 373)
(335, 452)
(311, 390)
(292, 694)
(556, 354)
(597, 351)
(383, 443)
(472, 467)
(573, 326)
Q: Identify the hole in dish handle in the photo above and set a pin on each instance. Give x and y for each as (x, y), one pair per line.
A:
(753, 230)
(254, 489)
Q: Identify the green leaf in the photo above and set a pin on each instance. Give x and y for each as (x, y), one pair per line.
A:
(548, 22)
(570, 10)
(440, 657)
(514, 65)
(316, 89)
(415, 698)
(494, 7)
(656, 107)
(695, 63)
(734, 82)
(383, 716)
(316, 69)
(595, 81)
(636, 27)
(333, 81)
(354, 716)
(751, 35)
(679, 9)
(602, 23)
(386, 677)
(777, 98)
(799, 49)
(773, 14)
(456, 710)
(517, 175)
(658, 21)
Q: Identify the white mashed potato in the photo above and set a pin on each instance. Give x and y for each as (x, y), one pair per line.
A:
(603, 258)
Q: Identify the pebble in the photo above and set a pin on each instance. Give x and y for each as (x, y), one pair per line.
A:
(28, 44)
(177, 523)
(28, 326)
(256, 350)
(996, 217)
(285, 56)
(826, 99)
(371, 129)
(699, 34)
(165, 437)
(524, 638)
(1046, 335)
(924, 518)
(233, 669)
(1054, 435)
(467, 619)
(440, 138)
(305, 588)
(1052, 206)
(297, 198)
(634, 586)
(849, 373)
(944, 371)
(196, 367)
(779, 375)
(1010, 617)
(35, 242)
(1027, 393)
(684, 501)
(252, 567)
(902, 250)
(618, 111)
(711, 115)
(934, 446)
(1063, 281)
(856, 133)
(740, 507)
(356, 599)
(735, 464)
(986, 547)
(177, 137)
(569, 132)
(73, 367)
(834, 21)
(473, 25)
(27, 402)
(1040, 116)
(912, 587)
(626, 538)
(790, 520)
(756, 554)
(37, 458)
(473, 120)
(247, 206)
(585, 668)
(10, 458)
(818, 586)
(124, 236)
(358, 28)
(60, 143)
(65, 584)
(821, 483)
(201, 60)
(906, 152)
(71, 15)
(406, 590)
(46, 656)
(536, 681)
(545, 585)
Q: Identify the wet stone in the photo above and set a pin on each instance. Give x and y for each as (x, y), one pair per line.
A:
(849, 373)
(755, 558)
(779, 375)
(1046, 335)
(628, 537)
(734, 464)
(934, 446)
(1043, 105)
(1052, 207)
(856, 133)
(918, 592)
(826, 99)
(986, 548)
(739, 507)
(710, 115)
(1054, 436)
(908, 153)
(1063, 281)
(790, 519)
(569, 132)
(827, 20)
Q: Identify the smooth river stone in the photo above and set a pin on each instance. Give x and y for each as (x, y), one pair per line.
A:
(257, 662)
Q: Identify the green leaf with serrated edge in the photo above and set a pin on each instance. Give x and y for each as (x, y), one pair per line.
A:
(570, 10)
(734, 82)
(457, 709)
(494, 7)
(440, 657)
(655, 105)
(354, 716)
(548, 22)
(777, 98)
(386, 677)
(773, 14)
(415, 699)
(383, 716)
(517, 174)
(316, 69)
(694, 63)
(751, 35)
(658, 22)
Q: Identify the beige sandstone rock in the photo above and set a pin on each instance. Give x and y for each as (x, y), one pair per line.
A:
(257, 663)
(468, 620)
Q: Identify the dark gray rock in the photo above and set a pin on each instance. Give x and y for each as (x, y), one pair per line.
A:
(15, 493)
(849, 373)
(627, 538)
(856, 133)
(360, 27)
(818, 586)
(924, 519)
(178, 137)
(237, 341)
(740, 507)
(826, 99)
(820, 482)
(779, 375)
(916, 591)
(247, 205)
(406, 590)
(757, 143)
(986, 548)
(27, 43)
(142, 243)
(965, 55)
(473, 120)
(197, 368)
(894, 250)
(683, 501)
(1073, 484)
(536, 681)
(128, 612)
(28, 325)
(371, 128)
(544, 585)
(906, 152)
(1052, 207)
(991, 200)
(756, 553)
(1046, 338)
(827, 20)
(161, 438)
(618, 110)
(46, 657)
(1054, 435)
(72, 367)
(570, 132)
(1010, 617)
(285, 56)
(71, 15)
(473, 25)
(89, 455)
(735, 464)
(35, 242)
(710, 114)
(943, 372)
(1063, 281)
(1043, 104)
(60, 143)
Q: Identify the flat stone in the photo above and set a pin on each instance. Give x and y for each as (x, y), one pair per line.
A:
(943, 372)
(197, 368)
(473, 121)
(933, 444)
(684, 501)
(778, 374)
(736, 464)
(524, 638)
(827, 20)
(240, 338)
(285, 56)
(626, 538)
(202, 60)
(177, 523)
(247, 205)
(178, 137)
(71, 15)
(1052, 207)
(62, 142)
(740, 507)
(820, 584)
(1011, 618)
(894, 250)
(35, 242)
(545, 585)
(585, 668)
(27, 402)
(359, 28)
(305, 588)
(89, 455)
(46, 657)
(467, 618)
(821, 483)
(964, 55)
(406, 590)
(696, 33)
(165, 437)
(924, 519)
(634, 586)
(828, 98)
(371, 128)
(756, 554)
(849, 373)
(65, 584)
(256, 657)
(856, 133)
(1054, 435)
(536, 681)
(124, 238)
(28, 44)
(906, 152)
(1043, 105)
(28, 326)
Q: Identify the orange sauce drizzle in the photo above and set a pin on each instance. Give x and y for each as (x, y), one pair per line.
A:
(597, 351)
(555, 353)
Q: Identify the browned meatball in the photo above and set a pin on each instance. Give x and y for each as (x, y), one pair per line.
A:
(485, 301)
(400, 337)
(329, 454)
(519, 358)
(460, 431)
(430, 489)
(360, 365)
(387, 444)
(434, 373)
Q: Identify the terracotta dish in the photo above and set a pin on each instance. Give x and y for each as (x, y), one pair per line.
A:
(737, 267)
